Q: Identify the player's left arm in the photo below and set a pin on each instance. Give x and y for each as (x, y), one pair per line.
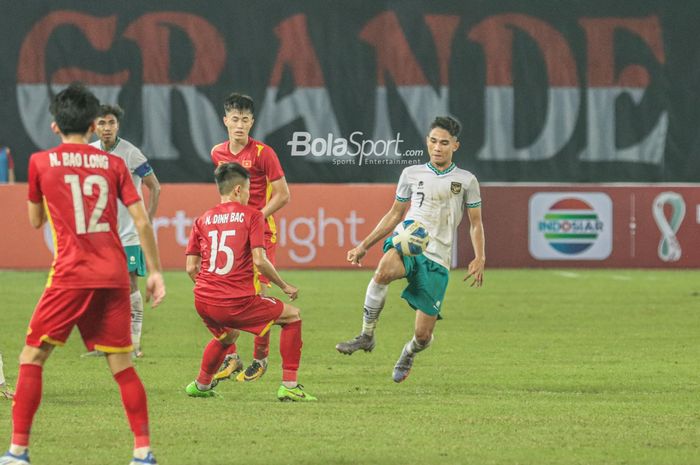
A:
(476, 232)
(279, 197)
(279, 190)
(151, 182)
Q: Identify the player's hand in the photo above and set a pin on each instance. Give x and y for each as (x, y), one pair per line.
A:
(476, 271)
(291, 291)
(356, 254)
(155, 289)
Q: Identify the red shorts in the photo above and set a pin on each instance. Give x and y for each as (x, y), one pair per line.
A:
(103, 317)
(254, 314)
(270, 249)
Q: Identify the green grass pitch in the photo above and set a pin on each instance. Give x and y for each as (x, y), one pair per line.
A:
(538, 367)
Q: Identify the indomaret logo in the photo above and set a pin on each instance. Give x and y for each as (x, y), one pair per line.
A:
(570, 226)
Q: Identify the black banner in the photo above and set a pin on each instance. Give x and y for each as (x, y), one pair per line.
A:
(555, 91)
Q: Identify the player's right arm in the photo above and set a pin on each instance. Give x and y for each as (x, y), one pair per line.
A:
(268, 270)
(192, 266)
(387, 224)
(35, 205)
(37, 215)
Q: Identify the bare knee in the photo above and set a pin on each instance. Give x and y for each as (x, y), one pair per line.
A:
(390, 268)
(423, 335)
(290, 314)
(229, 338)
(133, 282)
(35, 355)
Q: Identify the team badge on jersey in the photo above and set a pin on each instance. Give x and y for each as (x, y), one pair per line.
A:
(247, 163)
(456, 187)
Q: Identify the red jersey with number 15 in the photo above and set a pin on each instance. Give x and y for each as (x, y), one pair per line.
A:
(80, 185)
(224, 238)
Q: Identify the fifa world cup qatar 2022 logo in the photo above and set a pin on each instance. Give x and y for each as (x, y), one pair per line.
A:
(570, 226)
(669, 247)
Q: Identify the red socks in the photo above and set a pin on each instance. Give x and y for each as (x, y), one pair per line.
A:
(26, 402)
(135, 405)
(290, 349)
(213, 357)
(262, 346)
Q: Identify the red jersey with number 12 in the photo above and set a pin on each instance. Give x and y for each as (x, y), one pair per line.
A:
(80, 185)
(224, 238)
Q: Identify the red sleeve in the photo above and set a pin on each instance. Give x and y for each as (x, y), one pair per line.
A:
(35, 194)
(271, 164)
(127, 191)
(193, 244)
(256, 230)
(10, 161)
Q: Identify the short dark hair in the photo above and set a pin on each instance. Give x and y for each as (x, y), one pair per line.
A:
(240, 102)
(114, 110)
(228, 176)
(74, 109)
(447, 123)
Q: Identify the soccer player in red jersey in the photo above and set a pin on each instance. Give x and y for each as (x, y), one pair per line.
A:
(75, 187)
(268, 193)
(226, 247)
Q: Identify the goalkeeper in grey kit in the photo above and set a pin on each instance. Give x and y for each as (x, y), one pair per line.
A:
(434, 194)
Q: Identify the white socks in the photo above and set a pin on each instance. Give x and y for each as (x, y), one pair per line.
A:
(136, 319)
(413, 347)
(2, 372)
(374, 303)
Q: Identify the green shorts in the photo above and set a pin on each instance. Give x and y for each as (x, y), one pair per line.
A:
(427, 282)
(135, 260)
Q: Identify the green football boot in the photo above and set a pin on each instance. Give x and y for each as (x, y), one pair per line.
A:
(295, 394)
(193, 391)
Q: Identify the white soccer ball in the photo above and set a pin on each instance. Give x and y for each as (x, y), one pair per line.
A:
(410, 238)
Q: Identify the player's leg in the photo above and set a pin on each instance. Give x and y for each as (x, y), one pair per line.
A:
(135, 404)
(26, 401)
(136, 314)
(214, 318)
(261, 344)
(52, 321)
(213, 356)
(423, 336)
(5, 391)
(391, 267)
(290, 350)
(137, 267)
(105, 326)
(427, 284)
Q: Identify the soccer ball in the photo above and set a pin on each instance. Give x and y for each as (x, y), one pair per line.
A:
(410, 238)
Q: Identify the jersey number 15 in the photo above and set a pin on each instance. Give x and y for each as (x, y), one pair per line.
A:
(218, 244)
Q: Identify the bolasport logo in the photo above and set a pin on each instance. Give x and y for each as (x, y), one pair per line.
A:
(354, 150)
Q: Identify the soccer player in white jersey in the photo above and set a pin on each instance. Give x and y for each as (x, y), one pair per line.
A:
(434, 194)
(107, 131)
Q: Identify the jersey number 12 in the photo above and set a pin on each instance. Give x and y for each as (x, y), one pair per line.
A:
(73, 180)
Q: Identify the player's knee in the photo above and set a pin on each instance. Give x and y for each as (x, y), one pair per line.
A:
(423, 336)
(390, 268)
(35, 355)
(290, 314)
(229, 339)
